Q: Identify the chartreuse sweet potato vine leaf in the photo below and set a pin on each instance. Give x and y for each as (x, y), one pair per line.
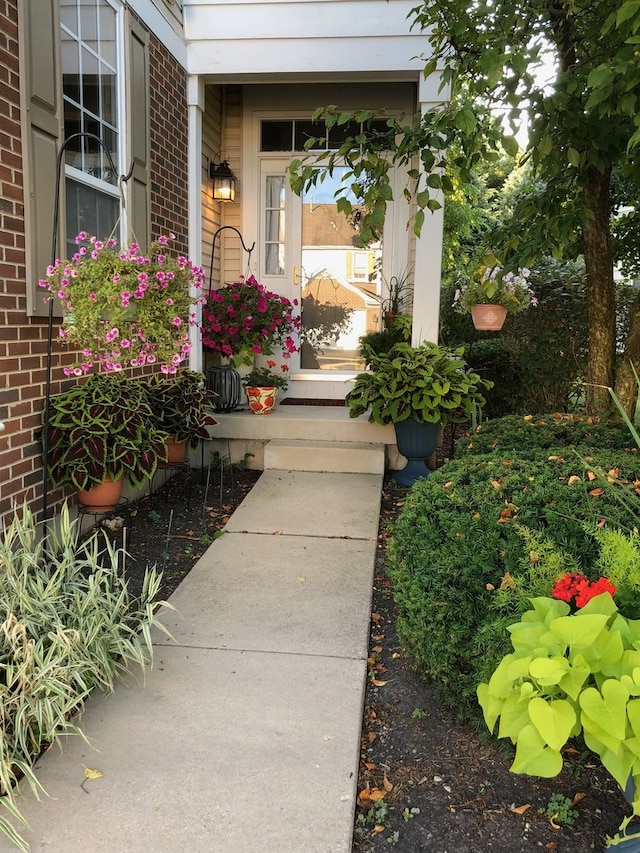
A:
(569, 674)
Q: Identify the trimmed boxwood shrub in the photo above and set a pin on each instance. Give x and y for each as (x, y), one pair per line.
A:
(480, 523)
(529, 435)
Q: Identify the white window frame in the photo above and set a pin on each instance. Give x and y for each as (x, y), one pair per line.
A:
(116, 190)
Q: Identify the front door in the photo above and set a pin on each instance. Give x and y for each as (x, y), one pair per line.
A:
(308, 254)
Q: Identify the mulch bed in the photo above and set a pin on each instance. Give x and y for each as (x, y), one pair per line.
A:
(425, 782)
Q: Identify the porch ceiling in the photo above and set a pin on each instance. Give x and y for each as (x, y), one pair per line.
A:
(294, 40)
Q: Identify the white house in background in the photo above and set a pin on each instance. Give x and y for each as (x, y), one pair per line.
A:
(257, 71)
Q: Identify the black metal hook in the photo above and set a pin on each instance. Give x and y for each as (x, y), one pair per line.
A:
(213, 248)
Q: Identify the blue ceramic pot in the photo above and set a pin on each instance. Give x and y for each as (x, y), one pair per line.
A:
(416, 441)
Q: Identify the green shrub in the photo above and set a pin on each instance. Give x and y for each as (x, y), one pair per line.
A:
(552, 433)
(67, 625)
(478, 524)
(492, 359)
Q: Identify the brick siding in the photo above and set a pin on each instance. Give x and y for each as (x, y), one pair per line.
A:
(169, 139)
(23, 339)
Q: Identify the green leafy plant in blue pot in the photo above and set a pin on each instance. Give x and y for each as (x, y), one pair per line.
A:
(419, 390)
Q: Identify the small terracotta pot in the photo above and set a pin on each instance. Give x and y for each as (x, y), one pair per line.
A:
(101, 498)
(261, 400)
(176, 451)
(488, 318)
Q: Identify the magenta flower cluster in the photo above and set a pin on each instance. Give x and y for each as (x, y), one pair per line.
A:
(246, 317)
(125, 308)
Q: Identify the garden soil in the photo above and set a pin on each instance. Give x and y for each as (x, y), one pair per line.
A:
(425, 783)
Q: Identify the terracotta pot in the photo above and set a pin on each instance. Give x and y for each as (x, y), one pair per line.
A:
(488, 318)
(261, 400)
(101, 498)
(176, 451)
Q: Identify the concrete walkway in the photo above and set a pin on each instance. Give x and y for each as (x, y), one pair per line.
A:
(245, 737)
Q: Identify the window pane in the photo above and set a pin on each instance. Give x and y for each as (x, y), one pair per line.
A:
(69, 15)
(90, 91)
(107, 21)
(89, 23)
(88, 210)
(108, 94)
(276, 136)
(274, 260)
(90, 86)
(305, 130)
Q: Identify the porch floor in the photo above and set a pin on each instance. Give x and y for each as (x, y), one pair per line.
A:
(241, 432)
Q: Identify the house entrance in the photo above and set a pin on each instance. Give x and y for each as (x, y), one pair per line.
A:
(309, 255)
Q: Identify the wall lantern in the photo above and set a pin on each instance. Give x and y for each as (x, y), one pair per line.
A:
(224, 181)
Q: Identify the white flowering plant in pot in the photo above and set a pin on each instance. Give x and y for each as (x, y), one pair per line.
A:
(124, 307)
(491, 284)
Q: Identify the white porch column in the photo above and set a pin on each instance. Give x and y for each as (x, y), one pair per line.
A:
(428, 252)
(195, 102)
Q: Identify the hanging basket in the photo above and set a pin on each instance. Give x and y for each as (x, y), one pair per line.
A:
(488, 318)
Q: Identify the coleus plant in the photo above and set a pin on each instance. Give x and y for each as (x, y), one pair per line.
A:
(570, 674)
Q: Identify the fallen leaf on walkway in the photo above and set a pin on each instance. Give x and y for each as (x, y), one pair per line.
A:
(277, 533)
(90, 773)
(301, 578)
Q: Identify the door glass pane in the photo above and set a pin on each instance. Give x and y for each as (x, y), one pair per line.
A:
(340, 302)
(274, 225)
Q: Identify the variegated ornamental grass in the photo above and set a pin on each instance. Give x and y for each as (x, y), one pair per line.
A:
(67, 625)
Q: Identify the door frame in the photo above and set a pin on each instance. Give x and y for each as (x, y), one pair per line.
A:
(396, 247)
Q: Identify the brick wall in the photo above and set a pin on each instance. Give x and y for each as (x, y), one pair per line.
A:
(169, 139)
(23, 339)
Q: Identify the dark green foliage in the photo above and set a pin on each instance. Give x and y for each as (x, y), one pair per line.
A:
(181, 404)
(380, 342)
(430, 384)
(538, 360)
(492, 359)
(548, 434)
(102, 428)
(474, 526)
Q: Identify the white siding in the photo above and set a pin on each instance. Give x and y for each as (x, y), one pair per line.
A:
(321, 39)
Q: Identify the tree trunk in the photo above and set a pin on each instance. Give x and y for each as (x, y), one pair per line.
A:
(626, 387)
(601, 310)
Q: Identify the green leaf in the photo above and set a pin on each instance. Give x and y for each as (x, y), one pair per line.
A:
(548, 671)
(534, 757)
(513, 717)
(554, 720)
(607, 707)
(581, 631)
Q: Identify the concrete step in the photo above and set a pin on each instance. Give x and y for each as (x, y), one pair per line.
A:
(347, 457)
